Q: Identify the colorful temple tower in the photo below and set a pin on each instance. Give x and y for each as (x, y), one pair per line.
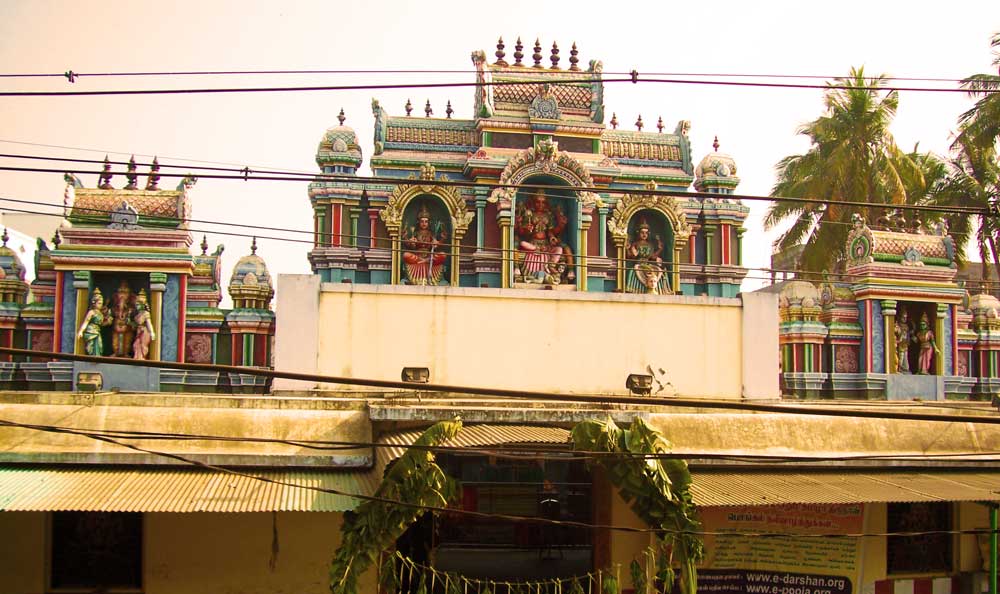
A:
(894, 325)
(590, 223)
(119, 281)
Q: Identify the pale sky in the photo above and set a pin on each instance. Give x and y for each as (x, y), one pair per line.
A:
(281, 130)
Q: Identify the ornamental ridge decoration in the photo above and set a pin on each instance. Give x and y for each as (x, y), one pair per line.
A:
(544, 106)
(543, 159)
(630, 204)
(402, 194)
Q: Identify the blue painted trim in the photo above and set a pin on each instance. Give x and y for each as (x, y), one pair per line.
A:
(68, 314)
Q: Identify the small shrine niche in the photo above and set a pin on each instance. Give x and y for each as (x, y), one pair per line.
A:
(916, 345)
(545, 236)
(425, 238)
(649, 233)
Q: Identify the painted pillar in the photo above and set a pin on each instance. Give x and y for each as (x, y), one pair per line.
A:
(353, 239)
(693, 247)
(954, 340)
(889, 323)
(602, 225)
(81, 282)
(709, 232)
(321, 238)
(724, 244)
(581, 260)
(372, 226)
(939, 357)
(739, 245)
(157, 285)
(505, 250)
(480, 218)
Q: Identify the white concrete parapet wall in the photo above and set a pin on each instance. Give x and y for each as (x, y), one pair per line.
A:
(571, 343)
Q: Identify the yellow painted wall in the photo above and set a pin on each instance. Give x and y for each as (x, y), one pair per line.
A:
(972, 516)
(22, 552)
(197, 553)
(229, 553)
(626, 546)
(532, 340)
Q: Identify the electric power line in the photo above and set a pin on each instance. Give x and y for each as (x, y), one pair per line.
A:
(495, 516)
(680, 402)
(635, 78)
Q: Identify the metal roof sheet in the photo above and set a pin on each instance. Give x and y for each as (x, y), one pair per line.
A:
(176, 490)
(471, 436)
(779, 488)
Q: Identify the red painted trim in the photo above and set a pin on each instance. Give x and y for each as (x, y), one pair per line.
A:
(954, 340)
(57, 317)
(724, 244)
(336, 214)
(692, 248)
(182, 321)
(923, 586)
(373, 231)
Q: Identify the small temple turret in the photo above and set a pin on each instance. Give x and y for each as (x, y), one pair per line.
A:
(251, 321)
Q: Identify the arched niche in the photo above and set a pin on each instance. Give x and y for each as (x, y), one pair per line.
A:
(544, 164)
(445, 206)
(624, 224)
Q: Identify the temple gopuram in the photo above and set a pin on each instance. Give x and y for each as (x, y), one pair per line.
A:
(535, 124)
(119, 281)
(895, 325)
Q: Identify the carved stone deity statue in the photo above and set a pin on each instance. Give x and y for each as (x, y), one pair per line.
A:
(904, 336)
(540, 249)
(96, 317)
(924, 337)
(123, 328)
(425, 250)
(644, 263)
(144, 328)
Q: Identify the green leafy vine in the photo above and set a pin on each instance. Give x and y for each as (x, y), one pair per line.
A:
(657, 489)
(374, 526)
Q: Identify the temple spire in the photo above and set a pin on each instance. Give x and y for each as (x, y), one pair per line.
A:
(537, 56)
(105, 180)
(715, 144)
(518, 54)
(408, 107)
(614, 121)
(341, 117)
(573, 60)
(638, 123)
(500, 53)
(131, 174)
(253, 246)
(428, 112)
(555, 56)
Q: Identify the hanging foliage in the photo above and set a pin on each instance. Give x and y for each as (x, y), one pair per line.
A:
(657, 490)
(374, 526)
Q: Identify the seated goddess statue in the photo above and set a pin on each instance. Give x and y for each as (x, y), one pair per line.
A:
(424, 255)
(540, 250)
(644, 264)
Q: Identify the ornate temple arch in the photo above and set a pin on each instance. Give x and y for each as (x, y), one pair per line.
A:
(454, 203)
(544, 160)
(632, 204)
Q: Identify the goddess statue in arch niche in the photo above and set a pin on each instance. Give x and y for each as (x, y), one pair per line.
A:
(424, 249)
(645, 263)
(542, 256)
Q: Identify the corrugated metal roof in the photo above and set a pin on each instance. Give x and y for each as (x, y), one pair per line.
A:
(175, 490)
(778, 488)
(472, 436)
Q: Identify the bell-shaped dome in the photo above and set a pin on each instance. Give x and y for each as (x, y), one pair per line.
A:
(251, 286)
(716, 170)
(799, 293)
(339, 146)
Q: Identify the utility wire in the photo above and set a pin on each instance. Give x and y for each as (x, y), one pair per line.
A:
(328, 177)
(424, 388)
(634, 79)
(512, 451)
(293, 72)
(506, 517)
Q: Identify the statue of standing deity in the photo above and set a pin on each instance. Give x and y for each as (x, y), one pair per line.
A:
(924, 337)
(645, 265)
(144, 328)
(123, 329)
(539, 228)
(96, 317)
(424, 254)
(904, 336)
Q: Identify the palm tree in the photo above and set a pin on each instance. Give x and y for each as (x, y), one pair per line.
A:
(972, 181)
(853, 158)
(980, 126)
